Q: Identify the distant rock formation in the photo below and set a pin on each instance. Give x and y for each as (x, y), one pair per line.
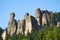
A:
(27, 24)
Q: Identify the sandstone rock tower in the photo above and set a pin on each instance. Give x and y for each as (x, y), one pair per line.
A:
(38, 16)
(28, 24)
(45, 18)
(44, 21)
(20, 27)
(12, 25)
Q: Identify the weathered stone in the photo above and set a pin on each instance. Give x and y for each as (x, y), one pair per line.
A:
(12, 25)
(38, 16)
(58, 24)
(4, 35)
(45, 18)
(34, 23)
(26, 15)
(20, 27)
(44, 21)
(38, 11)
(28, 25)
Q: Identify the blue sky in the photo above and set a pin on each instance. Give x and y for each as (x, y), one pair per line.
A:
(20, 7)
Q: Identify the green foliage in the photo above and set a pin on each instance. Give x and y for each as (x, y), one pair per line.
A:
(1, 30)
(46, 33)
(1, 38)
(56, 17)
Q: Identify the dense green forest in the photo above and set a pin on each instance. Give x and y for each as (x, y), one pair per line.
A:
(46, 33)
(55, 18)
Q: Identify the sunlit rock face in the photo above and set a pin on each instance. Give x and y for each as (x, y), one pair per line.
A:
(38, 16)
(12, 25)
(21, 25)
(44, 20)
(28, 25)
(58, 24)
(4, 35)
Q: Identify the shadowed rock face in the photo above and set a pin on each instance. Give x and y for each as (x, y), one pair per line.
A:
(37, 13)
(34, 23)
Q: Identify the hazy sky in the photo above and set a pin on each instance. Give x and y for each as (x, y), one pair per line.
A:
(20, 7)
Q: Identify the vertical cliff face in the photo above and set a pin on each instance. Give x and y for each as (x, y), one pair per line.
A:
(27, 24)
(38, 16)
(12, 25)
(20, 27)
(45, 18)
(58, 24)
